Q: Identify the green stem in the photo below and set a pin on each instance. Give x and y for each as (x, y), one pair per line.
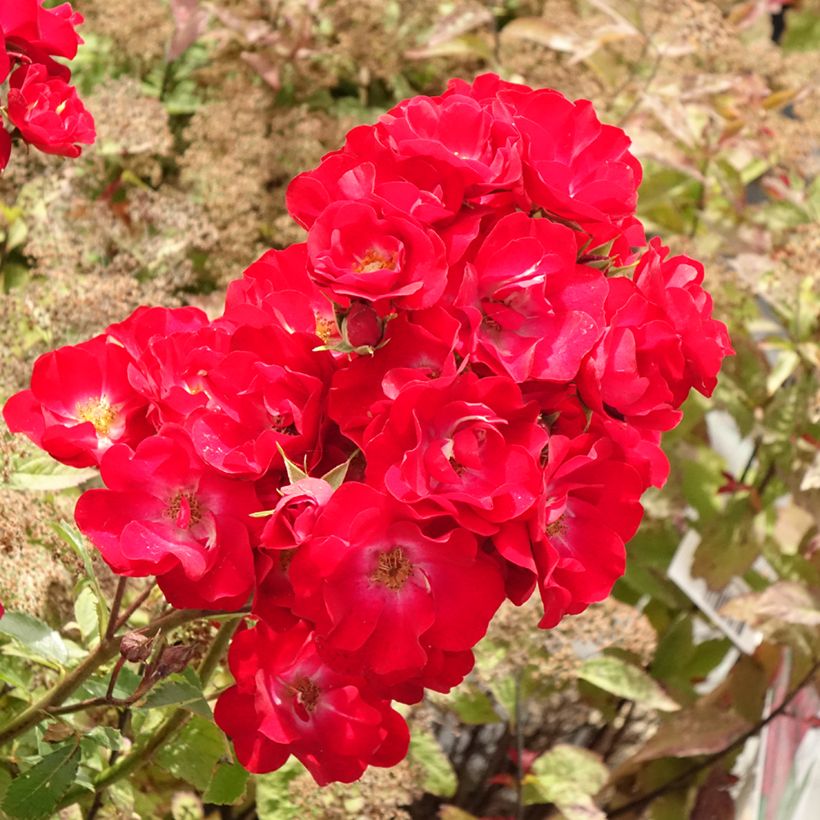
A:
(104, 652)
(56, 695)
(137, 757)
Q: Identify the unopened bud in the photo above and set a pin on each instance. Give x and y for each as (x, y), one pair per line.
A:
(173, 659)
(135, 647)
(363, 326)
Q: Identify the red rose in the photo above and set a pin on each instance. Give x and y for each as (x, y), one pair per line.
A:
(36, 33)
(357, 250)
(660, 342)
(171, 370)
(467, 447)
(268, 392)
(5, 147)
(147, 324)
(535, 314)
(48, 113)
(380, 589)
(80, 403)
(165, 513)
(457, 133)
(574, 166)
(573, 539)
(428, 191)
(287, 701)
(295, 514)
(276, 288)
(417, 346)
(674, 285)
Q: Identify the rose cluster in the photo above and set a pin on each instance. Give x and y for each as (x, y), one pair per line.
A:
(450, 394)
(43, 110)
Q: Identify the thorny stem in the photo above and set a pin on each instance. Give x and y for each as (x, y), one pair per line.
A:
(641, 802)
(115, 608)
(135, 605)
(123, 767)
(104, 652)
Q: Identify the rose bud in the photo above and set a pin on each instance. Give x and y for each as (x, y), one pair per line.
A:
(135, 647)
(362, 326)
(173, 659)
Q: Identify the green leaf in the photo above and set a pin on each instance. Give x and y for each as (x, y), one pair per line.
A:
(194, 754)
(472, 706)
(620, 678)
(802, 31)
(181, 691)
(438, 775)
(503, 689)
(38, 638)
(273, 792)
(728, 546)
(87, 613)
(5, 780)
(227, 785)
(44, 473)
(17, 675)
(674, 649)
(74, 538)
(705, 657)
(568, 776)
(36, 792)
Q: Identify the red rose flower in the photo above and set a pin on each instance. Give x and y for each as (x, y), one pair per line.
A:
(277, 289)
(36, 33)
(660, 342)
(48, 113)
(365, 169)
(145, 324)
(5, 147)
(80, 403)
(466, 447)
(456, 132)
(417, 346)
(674, 285)
(51, 30)
(356, 250)
(172, 369)
(535, 313)
(380, 589)
(288, 701)
(166, 514)
(294, 516)
(575, 167)
(5, 67)
(267, 393)
(573, 540)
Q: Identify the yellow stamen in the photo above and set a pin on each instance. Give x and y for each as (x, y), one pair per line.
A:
(97, 411)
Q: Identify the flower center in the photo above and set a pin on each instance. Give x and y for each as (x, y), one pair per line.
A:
(458, 467)
(324, 328)
(283, 423)
(307, 693)
(557, 528)
(184, 509)
(99, 412)
(375, 260)
(393, 570)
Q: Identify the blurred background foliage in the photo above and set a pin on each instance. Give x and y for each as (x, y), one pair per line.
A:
(641, 707)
